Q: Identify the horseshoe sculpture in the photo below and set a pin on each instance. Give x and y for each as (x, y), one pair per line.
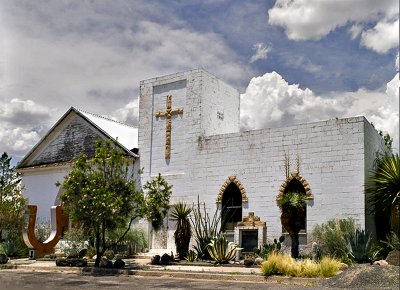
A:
(58, 224)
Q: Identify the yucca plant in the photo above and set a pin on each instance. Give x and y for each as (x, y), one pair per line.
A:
(180, 214)
(384, 186)
(221, 250)
(292, 205)
(191, 256)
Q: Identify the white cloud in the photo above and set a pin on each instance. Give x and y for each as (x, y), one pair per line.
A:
(269, 101)
(313, 19)
(129, 114)
(22, 123)
(381, 38)
(261, 52)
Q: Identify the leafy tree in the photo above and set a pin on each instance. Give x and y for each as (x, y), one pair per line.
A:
(12, 203)
(292, 205)
(183, 232)
(384, 186)
(101, 195)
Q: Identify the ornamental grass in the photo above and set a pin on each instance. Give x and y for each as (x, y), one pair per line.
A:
(281, 264)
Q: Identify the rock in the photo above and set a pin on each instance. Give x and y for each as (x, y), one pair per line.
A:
(77, 262)
(343, 266)
(119, 264)
(165, 259)
(248, 262)
(258, 261)
(155, 260)
(393, 258)
(105, 263)
(82, 253)
(62, 262)
(381, 263)
(3, 259)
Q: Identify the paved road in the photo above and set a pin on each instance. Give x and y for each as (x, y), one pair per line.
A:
(16, 280)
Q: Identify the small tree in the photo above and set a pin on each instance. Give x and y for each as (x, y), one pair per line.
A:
(12, 203)
(100, 195)
(292, 205)
(183, 232)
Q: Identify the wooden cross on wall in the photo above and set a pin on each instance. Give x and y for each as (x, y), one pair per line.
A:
(168, 113)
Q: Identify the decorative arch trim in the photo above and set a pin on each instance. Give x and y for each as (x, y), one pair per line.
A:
(295, 175)
(232, 179)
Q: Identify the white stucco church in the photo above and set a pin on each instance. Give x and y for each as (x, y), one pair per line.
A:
(189, 131)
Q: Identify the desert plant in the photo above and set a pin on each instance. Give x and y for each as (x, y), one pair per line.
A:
(204, 228)
(331, 236)
(358, 246)
(282, 264)
(191, 256)
(381, 249)
(43, 230)
(268, 248)
(383, 185)
(292, 205)
(180, 214)
(221, 250)
(134, 240)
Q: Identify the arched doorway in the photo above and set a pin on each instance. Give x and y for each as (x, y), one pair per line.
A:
(231, 205)
(295, 186)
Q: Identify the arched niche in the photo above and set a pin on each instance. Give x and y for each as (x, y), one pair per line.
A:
(234, 180)
(301, 180)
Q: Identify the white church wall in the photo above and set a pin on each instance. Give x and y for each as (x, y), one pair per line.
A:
(40, 188)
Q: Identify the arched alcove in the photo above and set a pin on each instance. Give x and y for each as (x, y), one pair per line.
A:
(234, 180)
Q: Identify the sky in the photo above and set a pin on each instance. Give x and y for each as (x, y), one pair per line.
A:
(293, 61)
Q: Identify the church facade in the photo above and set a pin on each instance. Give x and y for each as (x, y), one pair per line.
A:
(189, 131)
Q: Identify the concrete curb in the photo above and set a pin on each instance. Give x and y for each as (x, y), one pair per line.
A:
(183, 274)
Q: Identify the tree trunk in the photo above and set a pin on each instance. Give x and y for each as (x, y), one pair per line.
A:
(295, 245)
(98, 255)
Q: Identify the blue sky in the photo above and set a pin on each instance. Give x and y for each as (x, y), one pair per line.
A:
(293, 61)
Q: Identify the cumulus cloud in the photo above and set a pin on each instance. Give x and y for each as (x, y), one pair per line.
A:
(381, 38)
(313, 19)
(261, 52)
(22, 123)
(269, 101)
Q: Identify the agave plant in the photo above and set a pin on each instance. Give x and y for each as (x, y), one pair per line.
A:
(221, 250)
(358, 246)
(183, 232)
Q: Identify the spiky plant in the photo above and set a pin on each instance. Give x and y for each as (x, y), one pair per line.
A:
(221, 250)
(183, 232)
(292, 205)
(384, 187)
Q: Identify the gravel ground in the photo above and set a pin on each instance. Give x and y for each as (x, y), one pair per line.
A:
(366, 276)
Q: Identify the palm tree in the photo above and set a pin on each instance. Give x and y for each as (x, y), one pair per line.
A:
(293, 208)
(384, 187)
(183, 232)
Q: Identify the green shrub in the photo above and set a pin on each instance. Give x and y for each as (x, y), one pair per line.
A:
(221, 250)
(333, 235)
(281, 264)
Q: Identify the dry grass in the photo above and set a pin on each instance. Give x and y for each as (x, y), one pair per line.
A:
(281, 264)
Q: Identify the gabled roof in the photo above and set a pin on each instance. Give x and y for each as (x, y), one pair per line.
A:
(126, 137)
